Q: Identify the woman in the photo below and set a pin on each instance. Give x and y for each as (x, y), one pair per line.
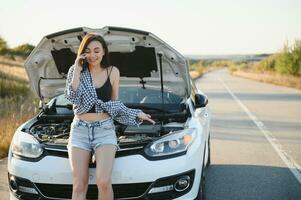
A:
(92, 87)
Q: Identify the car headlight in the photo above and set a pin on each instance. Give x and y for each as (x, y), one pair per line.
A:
(25, 145)
(173, 143)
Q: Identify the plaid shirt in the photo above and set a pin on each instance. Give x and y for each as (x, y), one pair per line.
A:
(85, 97)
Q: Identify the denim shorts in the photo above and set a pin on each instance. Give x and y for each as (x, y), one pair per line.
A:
(89, 135)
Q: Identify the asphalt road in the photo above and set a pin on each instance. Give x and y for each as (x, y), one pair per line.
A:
(255, 140)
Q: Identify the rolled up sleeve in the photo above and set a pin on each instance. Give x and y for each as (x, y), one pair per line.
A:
(129, 115)
(70, 94)
(121, 113)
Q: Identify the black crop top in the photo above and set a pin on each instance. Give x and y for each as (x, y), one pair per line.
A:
(104, 92)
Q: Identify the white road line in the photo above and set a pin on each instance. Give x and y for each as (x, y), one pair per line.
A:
(287, 159)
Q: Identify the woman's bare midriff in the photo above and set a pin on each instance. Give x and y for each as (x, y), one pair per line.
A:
(93, 116)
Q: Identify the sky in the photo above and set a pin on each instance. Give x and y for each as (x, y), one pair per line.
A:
(193, 27)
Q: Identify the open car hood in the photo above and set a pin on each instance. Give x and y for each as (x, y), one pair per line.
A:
(136, 53)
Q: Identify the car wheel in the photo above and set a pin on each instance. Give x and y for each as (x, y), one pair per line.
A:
(209, 153)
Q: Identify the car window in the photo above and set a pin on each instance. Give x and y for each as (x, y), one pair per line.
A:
(61, 100)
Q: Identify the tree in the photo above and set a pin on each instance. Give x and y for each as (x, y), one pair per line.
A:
(3, 46)
(23, 50)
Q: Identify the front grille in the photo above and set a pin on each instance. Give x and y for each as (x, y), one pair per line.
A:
(124, 151)
(120, 190)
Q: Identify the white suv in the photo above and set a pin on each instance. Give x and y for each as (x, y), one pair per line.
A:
(162, 161)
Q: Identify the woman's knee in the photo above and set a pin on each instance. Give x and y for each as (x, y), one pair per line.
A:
(80, 185)
(103, 183)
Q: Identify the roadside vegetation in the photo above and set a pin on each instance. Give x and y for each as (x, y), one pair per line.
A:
(199, 67)
(17, 102)
(281, 68)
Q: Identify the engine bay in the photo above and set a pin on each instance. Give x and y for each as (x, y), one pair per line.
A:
(56, 132)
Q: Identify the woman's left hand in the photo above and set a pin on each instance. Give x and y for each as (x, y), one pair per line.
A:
(141, 115)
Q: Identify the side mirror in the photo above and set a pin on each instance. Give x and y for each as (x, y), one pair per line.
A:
(201, 100)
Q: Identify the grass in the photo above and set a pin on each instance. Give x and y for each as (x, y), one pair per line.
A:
(200, 67)
(249, 70)
(12, 61)
(194, 74)
(282, 68)
(13, 72)
(270, 77)
(196, 70)
(14, 111)
(17, 103)
(11, 87)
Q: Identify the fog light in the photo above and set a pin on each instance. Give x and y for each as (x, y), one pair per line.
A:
(182, 183)
(28, 190)
(161, 189)
(13, 184)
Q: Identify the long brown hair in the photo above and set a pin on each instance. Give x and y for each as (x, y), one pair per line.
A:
(89, 37)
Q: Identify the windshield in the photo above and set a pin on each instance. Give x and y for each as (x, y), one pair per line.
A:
(132, 95)
(135, 97)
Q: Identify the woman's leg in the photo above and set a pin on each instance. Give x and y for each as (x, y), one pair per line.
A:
(104, 156)
(79, 162)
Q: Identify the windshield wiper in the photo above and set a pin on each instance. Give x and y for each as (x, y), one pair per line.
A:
(69, 106)
(145, 107)
(53, 106)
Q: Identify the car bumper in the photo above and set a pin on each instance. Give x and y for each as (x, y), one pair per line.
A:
(54, 173)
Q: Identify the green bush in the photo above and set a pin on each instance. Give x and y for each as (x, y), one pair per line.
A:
(289, 60)
(198, 66)
(296, 55)
(243, 65)
(267, 64)
(232, 68)
(222, 63)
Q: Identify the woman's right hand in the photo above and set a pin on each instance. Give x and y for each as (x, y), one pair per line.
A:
(141, 115)
(78, 61)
